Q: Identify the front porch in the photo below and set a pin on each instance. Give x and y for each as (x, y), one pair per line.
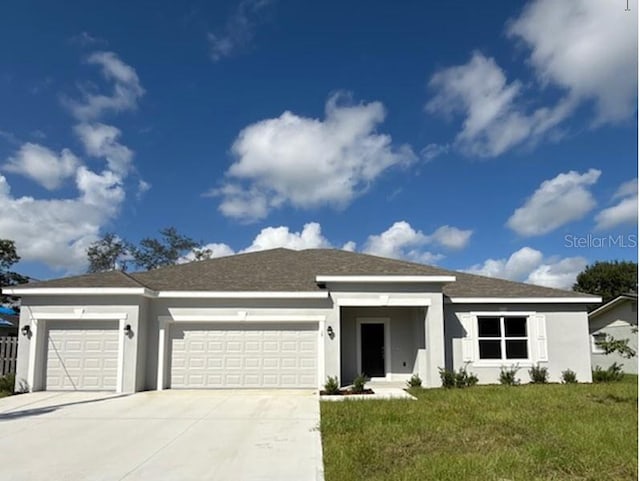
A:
(387, 344)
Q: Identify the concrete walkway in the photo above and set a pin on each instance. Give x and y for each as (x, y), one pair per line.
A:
(157, 436)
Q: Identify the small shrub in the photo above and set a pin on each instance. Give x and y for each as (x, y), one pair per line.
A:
(414, 382)
(447, 377)
(508, 376)
(539, 375)
(613, 373)
(359, 382)
(569, 377)
(7, 383)
(465, 379)
(332, 386)
(459, 379)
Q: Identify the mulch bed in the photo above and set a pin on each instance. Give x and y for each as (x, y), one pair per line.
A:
(346, 392)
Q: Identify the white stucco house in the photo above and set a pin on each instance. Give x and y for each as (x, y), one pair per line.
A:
(288, 319)
(617, 318)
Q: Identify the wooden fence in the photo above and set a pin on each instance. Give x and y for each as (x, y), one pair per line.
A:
(8, 355)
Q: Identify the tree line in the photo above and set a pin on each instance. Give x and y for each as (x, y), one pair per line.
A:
(112, 252)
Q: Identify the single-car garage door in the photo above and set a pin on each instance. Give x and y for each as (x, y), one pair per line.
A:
(82, 356)
(247, 355)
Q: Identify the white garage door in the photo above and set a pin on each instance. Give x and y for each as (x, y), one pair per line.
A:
(251, 355)
(82, 356)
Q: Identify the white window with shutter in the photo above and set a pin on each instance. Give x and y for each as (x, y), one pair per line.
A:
(503, 337)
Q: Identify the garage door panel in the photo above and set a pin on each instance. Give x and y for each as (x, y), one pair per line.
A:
(82, 356)
(252, 355)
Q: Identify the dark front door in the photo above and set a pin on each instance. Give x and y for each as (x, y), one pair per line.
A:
(372, 349)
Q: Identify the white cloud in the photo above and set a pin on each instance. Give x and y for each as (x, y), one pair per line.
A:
(627, 189)
(588, 47)
(43, 165)
(560, 274)
(310, 237)
(271, 237)
(85, 39)
(308, 162)
(101, 140)
(557, 201)
(516, 267)
(215, 249)
(451, 237)
(624, 212)
(432, 151)
(401, 241)
(239, 30)
(529, 265)
(494, 122)
(143, 187)
(247, 205)
(349, 246)
(126, 89)
(585, 48)
(396, 241)
(58, 231)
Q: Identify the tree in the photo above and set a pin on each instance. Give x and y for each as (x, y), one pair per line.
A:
(202, 254)
(610, 345)
(154, 253)
(608, 279)
(108, 253)
(8, 257)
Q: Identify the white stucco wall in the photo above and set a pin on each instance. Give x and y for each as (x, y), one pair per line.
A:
(418, 325)
(567, 340)
(621, 322)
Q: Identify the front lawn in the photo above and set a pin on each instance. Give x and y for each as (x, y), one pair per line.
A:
(530, 432)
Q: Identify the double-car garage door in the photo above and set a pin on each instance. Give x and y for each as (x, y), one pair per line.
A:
(244, 355)
(84, 355)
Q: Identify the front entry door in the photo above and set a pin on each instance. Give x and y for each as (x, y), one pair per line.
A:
(372, 349)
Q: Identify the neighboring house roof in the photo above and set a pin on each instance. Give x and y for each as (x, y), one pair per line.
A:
(631, 296)
(289, 270)
(99, 279)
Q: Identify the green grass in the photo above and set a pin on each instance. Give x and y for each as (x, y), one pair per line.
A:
(530, 432)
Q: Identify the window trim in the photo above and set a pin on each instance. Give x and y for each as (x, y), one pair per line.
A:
(503, 360)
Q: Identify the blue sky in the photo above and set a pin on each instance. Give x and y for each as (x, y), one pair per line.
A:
(494, 137)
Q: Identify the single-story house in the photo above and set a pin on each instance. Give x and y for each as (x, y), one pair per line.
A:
(289, 319)
(617, 318)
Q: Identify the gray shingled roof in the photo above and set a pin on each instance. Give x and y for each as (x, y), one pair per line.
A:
(289, 270)
(99, 279)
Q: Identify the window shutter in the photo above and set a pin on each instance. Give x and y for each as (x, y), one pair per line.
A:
(541, 337)
(467, 341)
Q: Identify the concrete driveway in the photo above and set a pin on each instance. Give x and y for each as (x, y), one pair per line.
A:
(156, 436)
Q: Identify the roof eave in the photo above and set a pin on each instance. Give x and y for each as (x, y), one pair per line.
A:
(392, 279)
(79, 291)
(523, 300)
(611, 304)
